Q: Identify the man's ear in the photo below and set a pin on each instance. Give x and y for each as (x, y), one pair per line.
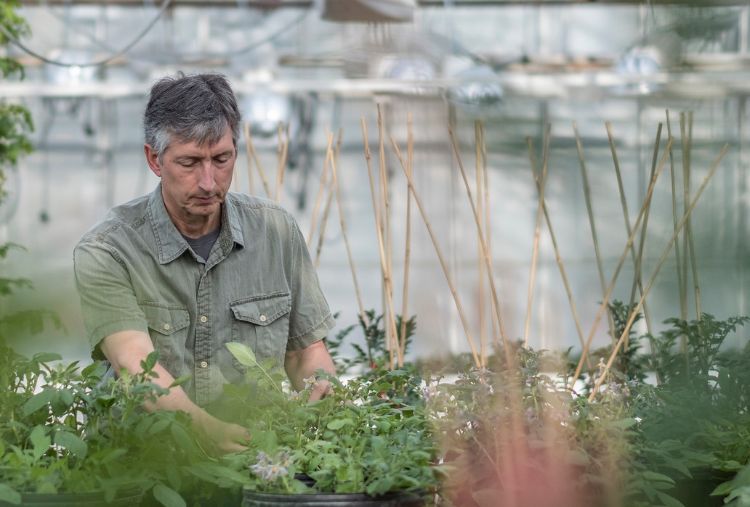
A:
(152, 159)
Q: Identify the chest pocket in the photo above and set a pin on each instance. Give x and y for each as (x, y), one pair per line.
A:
(262, 322)
(168, 328)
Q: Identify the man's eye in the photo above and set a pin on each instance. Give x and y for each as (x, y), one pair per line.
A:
(221, 160)
(187, 163)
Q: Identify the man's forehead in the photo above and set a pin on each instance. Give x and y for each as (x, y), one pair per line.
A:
(197, 146)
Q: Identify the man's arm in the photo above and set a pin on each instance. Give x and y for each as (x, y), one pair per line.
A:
(126, 349)
(303, 363)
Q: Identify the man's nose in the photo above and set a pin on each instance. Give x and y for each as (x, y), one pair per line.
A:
(206, 181)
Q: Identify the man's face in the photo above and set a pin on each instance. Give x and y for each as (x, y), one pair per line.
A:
(195, 179)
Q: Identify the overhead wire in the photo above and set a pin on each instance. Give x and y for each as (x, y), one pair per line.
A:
(16, 42)
(182, 58)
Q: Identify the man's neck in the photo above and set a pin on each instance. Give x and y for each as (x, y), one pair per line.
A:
(195, 226)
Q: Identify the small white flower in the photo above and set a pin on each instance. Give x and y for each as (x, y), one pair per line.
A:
(638, 420)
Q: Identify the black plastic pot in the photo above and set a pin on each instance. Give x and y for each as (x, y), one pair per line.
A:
(696, 492)
(130, 498)
(255, 499)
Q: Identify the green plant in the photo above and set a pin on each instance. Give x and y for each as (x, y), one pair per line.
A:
(67, 429)
(369, 435)
(374, 354)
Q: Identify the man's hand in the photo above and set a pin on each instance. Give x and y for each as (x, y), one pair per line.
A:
(126, 349)
(224, 437)
(301, 366)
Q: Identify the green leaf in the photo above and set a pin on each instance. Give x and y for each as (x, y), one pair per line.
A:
(71, 442)
(46, 357)
(243, 354)
(40, 441)
(66, 397)
(10, 495)
(180, 380)
(723, 489)
(38, 401)
(181, 436)
(168, 497)
(337, 424)
(150, 361)
(669, 501)
(655, 476)
(159, 426)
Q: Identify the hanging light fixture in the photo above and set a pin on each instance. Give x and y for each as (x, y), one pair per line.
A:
(368, 11)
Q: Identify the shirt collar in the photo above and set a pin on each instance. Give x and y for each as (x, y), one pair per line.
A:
(170, 242)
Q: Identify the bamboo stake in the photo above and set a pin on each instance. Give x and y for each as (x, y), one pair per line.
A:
(626, 214)
(637, 276)
(682, 293)
(558, 257)
(324, 222)
(685, 200)
(482, 242)
(407, 241)
(689, 227)
(488, 214)
(620, 262)
(342, 222)
(537, 232)
(254, 154)
(381, 250)
(319, 196)
(685, 218)
(250, 187)
(480, 266)
(386, 226)
(592, 223)
(282, 151)
(454, 293)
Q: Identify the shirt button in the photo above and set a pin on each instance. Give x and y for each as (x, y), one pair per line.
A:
(263, 318)
(204, 319)
(167, 327)
(204, 364)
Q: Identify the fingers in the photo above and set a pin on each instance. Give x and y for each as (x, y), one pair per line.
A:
(320, 389)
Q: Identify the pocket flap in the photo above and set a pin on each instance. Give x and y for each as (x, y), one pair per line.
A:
(262, 310)
(164, 320)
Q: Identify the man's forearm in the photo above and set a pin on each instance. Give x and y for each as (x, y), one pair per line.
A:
(127, 349)
(301, 364)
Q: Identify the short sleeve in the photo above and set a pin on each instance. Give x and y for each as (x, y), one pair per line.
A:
(310, 319)
(108, 303)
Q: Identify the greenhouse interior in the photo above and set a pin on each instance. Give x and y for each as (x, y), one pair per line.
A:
(497, 253)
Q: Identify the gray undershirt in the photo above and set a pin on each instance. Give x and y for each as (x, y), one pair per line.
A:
(202, 246)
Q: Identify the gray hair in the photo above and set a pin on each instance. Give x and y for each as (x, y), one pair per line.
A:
(196, 108)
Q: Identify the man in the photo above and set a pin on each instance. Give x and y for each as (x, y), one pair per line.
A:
(191, 267)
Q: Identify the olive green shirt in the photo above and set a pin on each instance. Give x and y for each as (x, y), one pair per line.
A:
(135, 271)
